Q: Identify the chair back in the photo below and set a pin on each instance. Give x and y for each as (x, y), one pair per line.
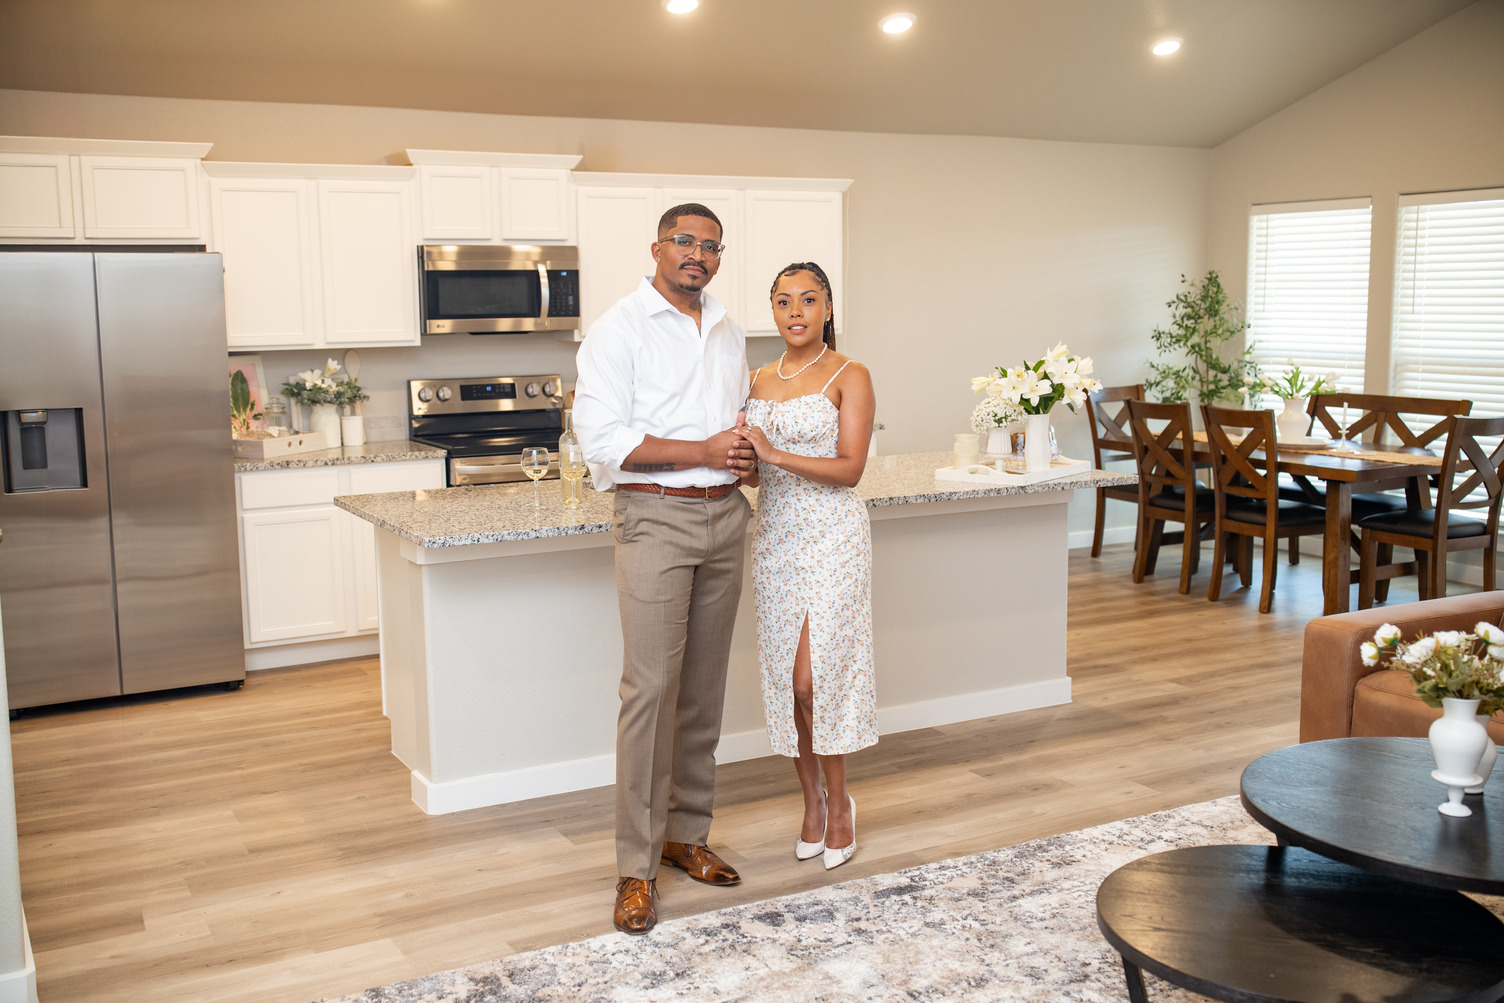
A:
(1469, 465)
(1109, 426)
(1233, 436)
(1165, 457)
(1375, 416)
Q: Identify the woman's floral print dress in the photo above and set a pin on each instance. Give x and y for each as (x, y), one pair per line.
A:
(812, 555)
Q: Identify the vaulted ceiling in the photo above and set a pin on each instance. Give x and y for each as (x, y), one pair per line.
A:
(1044, 69)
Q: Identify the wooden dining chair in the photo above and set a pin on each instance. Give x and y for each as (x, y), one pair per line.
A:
(1111, 439)
(1248, 503)
(1167, 488)
(1470, 480)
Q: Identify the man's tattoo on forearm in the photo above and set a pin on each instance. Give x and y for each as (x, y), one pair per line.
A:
(648, 468)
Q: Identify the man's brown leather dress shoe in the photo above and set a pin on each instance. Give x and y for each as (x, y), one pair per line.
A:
(700, 863)
(634, 905)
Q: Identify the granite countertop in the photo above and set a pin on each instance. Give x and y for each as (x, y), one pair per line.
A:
(496, 513)
(386, 451)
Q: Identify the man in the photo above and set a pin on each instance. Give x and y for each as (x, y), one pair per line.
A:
(662, 375)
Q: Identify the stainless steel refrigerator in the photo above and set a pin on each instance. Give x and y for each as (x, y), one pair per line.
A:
(121, 569)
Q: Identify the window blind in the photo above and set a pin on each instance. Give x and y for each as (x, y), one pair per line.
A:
(1308, 288)
(1449, 298)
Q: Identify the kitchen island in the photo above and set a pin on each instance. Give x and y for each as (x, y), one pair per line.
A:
(501, 639)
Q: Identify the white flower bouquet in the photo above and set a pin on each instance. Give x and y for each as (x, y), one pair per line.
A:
(1446, 664)
(1035, 388)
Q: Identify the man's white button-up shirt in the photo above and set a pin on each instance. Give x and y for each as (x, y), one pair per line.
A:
(644, 369)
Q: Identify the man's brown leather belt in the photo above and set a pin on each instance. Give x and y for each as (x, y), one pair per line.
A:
(713, 492)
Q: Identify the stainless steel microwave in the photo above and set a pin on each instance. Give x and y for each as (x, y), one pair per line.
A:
(499, 288)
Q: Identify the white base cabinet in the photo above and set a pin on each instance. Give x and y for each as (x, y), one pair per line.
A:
(308, 569)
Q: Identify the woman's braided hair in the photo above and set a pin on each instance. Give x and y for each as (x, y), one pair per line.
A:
(829, 333)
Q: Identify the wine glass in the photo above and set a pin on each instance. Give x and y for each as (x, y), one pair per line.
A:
(535, 462)
(572, 472)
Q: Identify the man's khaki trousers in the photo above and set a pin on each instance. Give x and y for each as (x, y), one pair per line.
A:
(678, 578)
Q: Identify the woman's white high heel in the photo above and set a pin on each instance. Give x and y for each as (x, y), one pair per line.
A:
(835, 856)
(809, 851)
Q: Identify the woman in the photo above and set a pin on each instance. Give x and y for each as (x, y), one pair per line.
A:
(809, 418)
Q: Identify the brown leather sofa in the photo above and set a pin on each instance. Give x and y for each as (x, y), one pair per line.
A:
(1340, 696)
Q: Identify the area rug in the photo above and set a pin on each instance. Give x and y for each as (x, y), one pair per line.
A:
(1017, 923)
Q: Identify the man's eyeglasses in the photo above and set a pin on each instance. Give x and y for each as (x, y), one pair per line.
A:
(686, 245)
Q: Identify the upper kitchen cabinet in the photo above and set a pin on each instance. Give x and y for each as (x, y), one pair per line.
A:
(57, 190)
(266, 229)
(784, 226)
(369, 262)
(316, 256)
(494, 197)
(768, 223)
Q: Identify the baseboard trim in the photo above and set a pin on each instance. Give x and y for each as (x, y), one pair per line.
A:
(600, 771)
(281, 656)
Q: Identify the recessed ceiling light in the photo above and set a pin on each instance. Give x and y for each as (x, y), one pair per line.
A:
(1165, 46)
(680, 6)
(895, 24)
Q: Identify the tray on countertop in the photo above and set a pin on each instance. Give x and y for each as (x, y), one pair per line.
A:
(979, 473)
(280, 445)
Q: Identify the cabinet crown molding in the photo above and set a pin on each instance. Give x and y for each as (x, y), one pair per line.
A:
(605, 179)
(102, 147)
(320, 172)
(462, 158)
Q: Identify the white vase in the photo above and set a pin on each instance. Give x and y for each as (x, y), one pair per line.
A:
(1458, 742)
(325, 418)
(1490, 755)
(1037, 443)
(999, 442)
(1292, 423)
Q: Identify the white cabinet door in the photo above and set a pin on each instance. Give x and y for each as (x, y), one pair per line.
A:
(294, 564)
(370, 265)
(140, 197)
(373, 479)
(726, 203)
(534, 204)
(617, 227)
(36, 195)
(265, 229)
(457, 202)
(784, 227)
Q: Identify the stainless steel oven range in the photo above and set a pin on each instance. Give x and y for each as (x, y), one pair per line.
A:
(484, 422)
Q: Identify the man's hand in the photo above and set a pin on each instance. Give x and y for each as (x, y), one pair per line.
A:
(732, 450)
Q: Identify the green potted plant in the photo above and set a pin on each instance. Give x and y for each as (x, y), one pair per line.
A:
(1197, 365)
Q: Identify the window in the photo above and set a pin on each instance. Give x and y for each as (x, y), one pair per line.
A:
(1449, 298)
(1308, 288)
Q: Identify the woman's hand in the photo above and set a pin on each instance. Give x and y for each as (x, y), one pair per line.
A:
(760, 444)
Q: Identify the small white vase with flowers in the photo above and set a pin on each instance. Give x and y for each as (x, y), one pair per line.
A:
(1295, 389)
(1463, 674)
(1028, 393)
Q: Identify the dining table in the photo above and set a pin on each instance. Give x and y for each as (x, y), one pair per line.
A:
(1346, 467)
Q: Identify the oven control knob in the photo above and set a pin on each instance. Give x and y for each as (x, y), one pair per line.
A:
(445, 393)
(532, 390)
(425, 394)
(549, 390)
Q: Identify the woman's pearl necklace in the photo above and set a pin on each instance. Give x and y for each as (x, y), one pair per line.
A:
(802, 368)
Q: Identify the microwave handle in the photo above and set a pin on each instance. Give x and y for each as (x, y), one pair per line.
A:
(543, 282)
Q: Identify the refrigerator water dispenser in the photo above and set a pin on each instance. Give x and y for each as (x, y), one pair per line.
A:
(43, 449)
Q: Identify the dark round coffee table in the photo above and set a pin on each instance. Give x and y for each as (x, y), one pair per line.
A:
(1371, 802)
(1270, 923)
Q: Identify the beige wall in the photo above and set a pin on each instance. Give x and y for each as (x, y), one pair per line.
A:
(1426, 116)
(963, 252)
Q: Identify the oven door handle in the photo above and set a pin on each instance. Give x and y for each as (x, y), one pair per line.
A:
(543, 284)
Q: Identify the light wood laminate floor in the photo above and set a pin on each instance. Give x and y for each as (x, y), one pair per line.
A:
(261, 845)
